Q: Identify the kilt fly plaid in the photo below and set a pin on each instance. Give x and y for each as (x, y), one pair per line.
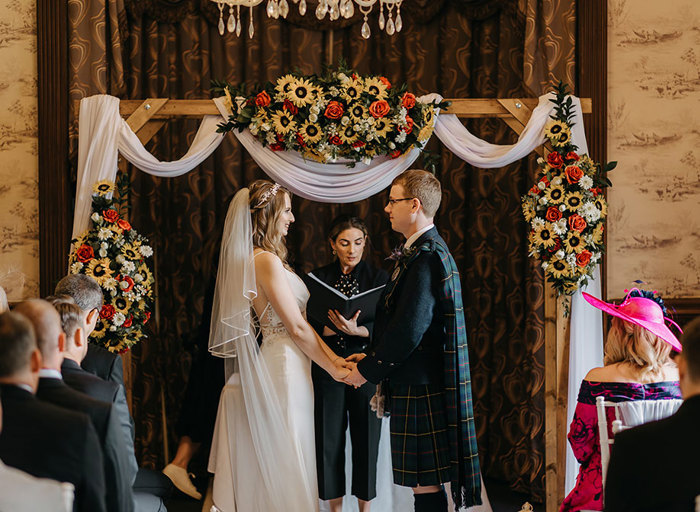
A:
(420, 445)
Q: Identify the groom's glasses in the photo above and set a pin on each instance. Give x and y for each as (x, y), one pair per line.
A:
(392, 202)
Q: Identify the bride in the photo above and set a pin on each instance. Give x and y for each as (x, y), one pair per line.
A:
(263, 451)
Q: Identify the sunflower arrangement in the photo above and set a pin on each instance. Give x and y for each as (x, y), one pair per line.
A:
(115, 255)
(566, 208)
(338, 115)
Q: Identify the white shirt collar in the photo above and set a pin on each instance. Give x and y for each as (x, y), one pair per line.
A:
(416, 235)
(25, 387)
(50, 373)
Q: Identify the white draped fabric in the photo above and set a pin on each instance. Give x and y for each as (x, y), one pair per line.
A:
(104, 134)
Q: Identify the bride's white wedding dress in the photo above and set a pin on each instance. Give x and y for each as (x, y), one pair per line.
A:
(239, 484)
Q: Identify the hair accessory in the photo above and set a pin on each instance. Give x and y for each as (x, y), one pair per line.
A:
(640, 310)
(267, 195)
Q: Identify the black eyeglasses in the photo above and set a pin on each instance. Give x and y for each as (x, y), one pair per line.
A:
(392, 202)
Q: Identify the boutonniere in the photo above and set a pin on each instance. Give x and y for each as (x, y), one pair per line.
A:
(400, 253)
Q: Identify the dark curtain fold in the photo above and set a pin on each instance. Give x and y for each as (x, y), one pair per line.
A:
(465, 49)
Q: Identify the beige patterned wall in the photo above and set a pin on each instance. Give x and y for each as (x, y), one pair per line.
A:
(654, 134)
(19, 204)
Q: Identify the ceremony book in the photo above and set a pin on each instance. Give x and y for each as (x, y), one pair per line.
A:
(325, 297)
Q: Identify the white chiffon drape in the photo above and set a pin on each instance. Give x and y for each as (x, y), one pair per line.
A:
(104, 134)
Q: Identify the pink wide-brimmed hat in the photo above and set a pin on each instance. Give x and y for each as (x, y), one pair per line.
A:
(640, 311)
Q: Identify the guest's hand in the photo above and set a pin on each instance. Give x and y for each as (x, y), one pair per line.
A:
(355, 378)
(348, 326)
(356, 358)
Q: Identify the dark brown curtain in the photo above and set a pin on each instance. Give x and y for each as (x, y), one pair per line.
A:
(168, 48)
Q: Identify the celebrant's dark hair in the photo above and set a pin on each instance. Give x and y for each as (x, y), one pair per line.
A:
(343, 222)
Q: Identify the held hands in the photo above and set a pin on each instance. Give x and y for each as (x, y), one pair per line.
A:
(354, 378)
(341, 369)
(347, 326)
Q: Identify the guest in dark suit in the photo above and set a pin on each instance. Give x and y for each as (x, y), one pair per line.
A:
(656, 466)
(119, 462)
(150, 487)
(40, 438)
(419, 346)
(335, 404)
(87, 294)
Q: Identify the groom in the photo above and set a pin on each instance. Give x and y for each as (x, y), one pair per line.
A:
(420, 348)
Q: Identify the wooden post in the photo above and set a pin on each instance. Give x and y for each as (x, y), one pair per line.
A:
(551, 450)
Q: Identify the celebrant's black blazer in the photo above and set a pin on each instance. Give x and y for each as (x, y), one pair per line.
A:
(368, 277)
(409, 331)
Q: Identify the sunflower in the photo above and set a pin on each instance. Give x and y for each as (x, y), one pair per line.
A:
(310, 132)
(563, 138)
(284, 122)
(122, 305)
(555, 194)
(382, 127)
(352, 90)
(573, 200)
(558, 268)
(358, 112)
(428, 116)
(528, 211)
(99, 270)
(147, 276)
(131, 251)
(100, 329)
(574, 242)
(284, 85)
(348, 135)
(103, 187)
(425, 133)
(602, 205)
(376, 88)
(310, 154)
(544, 236)
(598, 234)
(554, 128)
(302, 92)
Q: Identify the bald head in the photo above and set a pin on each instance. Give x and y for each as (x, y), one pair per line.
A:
(47, 326)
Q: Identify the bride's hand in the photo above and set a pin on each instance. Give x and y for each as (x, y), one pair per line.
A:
(341, 369)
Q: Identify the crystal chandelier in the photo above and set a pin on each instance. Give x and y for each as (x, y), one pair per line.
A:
(230, 11)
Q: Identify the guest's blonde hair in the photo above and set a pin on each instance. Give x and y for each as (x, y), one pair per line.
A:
(423, 186)
(633, 344)
(266, 200)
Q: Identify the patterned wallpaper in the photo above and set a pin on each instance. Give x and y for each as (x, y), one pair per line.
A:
(654, 134)
(19, 195)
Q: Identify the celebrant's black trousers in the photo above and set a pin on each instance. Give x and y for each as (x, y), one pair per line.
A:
(337, 405)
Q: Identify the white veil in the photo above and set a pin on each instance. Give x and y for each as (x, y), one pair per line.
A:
(254, 456)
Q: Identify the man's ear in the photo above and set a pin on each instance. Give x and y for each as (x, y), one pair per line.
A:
(62, 342)
(91, 317)
(78, 337)
(35, 361)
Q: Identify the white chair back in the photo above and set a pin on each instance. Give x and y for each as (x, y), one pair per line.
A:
(627, 415)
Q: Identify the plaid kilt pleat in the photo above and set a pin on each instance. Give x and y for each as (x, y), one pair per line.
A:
(420, 445)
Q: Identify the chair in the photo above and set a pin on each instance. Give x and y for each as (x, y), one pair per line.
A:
(627, 415)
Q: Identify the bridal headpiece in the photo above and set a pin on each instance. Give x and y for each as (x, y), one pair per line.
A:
(266, 196)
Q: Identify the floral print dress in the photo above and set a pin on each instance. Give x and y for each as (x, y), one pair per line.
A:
(587, 494)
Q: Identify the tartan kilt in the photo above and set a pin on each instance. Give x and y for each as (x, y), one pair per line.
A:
(420, 445)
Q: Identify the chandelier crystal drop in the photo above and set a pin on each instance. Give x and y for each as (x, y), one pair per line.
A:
(335, 9)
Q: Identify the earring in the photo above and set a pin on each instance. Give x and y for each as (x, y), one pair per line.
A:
(333, 251)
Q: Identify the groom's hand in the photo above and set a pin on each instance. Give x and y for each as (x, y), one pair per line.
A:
(356, 358)
(355, 378)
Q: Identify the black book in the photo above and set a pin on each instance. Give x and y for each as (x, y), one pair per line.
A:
(324, 297)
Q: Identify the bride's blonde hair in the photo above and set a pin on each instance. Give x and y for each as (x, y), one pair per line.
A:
(266, 200)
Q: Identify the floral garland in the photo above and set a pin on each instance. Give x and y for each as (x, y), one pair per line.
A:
(114, 255)
(337, 115)
(566, 209)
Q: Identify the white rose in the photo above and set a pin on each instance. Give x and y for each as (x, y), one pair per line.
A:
(559, 254)
(344, 120)
(541, 185)
(392, 145)
(95, 217)
(112, 328)
(562, 207)
(556, 181)
(313, 118)
(120, 259)
(102, 253)
(367, 160)
(545, 264)
(543, 200)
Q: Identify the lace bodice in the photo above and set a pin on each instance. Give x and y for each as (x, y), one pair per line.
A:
(270, 322)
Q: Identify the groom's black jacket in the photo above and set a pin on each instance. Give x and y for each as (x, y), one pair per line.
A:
(409, 333)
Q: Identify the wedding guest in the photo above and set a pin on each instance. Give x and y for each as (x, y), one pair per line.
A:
(655, 466)
(40, 438)
(149, 487)
(88, 295)
(119, 462)
(335, 404)
(638, 366)
(419, 347)
(21, 492)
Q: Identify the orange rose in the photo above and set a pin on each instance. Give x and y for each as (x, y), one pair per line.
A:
(555, 160)
(290, 107)
(128, 321)
(110, 215)
(408, 101)
(84, 253)
(571, 155)
(124, 224)
(107, 311)
(553, 214)
(335, 140)
(262, 99)
(577, 223)
(334, 110)
(379, 108)
(409, 125)
(573, 173)
(395, 154)
(385, 81)
(583, 258)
